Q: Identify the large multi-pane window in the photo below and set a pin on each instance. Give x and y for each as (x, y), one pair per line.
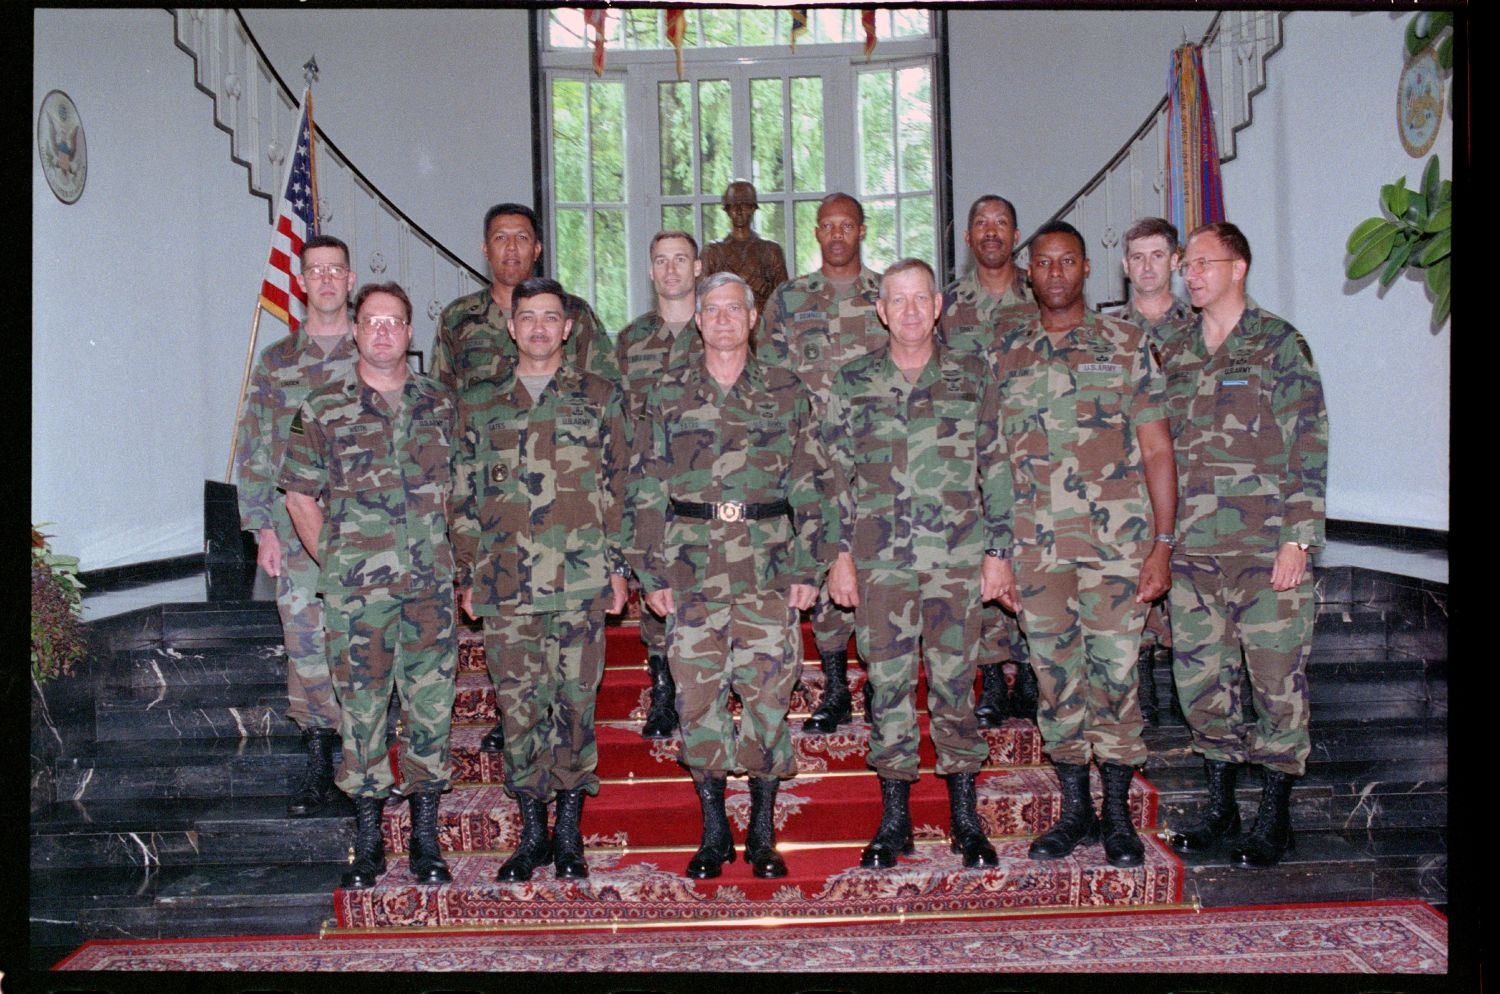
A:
(640, 149)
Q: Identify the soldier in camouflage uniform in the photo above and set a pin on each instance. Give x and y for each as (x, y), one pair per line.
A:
(913, 430)
(286, 373)
(539, 487)
(1252, 440)
(367, 480)
(815, 324)
(647, 347)
(1150, 254)
(726, 523)
(977, 310)
(1084, 409)
(472, 342)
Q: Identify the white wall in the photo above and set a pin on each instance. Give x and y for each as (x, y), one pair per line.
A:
(443, 161)
(1309, 170)
(142, 294)
(1041, 99)
(143, 291)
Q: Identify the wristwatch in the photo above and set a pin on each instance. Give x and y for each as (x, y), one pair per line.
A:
(1170, 541)
(998, 553)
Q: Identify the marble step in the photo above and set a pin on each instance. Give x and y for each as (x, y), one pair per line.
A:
(147, 702)
(1333, 740)
(226, 665)
(181, 768)
(161, 832)
(71, 906)
(1324, 867)
(134, 721)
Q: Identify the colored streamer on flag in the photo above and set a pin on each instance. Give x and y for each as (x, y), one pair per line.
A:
(676, 32)
(799, 24)
(594, 17)
(867, 18)
(296, 221)
(1195, 188)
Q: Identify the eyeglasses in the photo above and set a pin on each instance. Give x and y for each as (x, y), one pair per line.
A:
(388, 323)
(1196, 266)
(326, 272)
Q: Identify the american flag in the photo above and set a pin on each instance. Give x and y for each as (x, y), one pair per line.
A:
(296, 220)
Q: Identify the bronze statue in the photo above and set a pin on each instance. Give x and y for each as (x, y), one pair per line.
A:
(758, 261)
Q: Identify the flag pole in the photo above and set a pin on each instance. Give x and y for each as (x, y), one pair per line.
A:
(239, 406)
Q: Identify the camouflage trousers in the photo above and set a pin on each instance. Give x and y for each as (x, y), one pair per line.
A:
(653, 629)
(907, 615)
(546, 669)
(311, 702)
(381, 640)
(1083, 627)
(1221, 604)
(832, 625)
(753, 648)
(1000, 637)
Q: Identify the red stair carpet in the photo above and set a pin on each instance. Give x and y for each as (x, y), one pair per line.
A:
(644, 825)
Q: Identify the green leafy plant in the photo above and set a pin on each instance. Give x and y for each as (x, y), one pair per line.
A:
(1426, 28)
(1414, 231)
(58, 640)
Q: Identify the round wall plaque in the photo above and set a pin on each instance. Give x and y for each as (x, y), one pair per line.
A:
(1419, 103)
(59, 142)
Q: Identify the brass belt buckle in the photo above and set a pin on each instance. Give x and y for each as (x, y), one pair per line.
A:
(730, 510)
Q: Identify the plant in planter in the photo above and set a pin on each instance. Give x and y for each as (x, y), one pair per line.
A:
(1414, 232)
(58, 640)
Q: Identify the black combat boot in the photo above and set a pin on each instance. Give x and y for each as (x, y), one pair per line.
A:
(964, 825)
(1024, 703)
(1221, 819)
(994, 704)
(717, 847)
(534, 849)
(1078, 824)
(1271, 836)
(316, 788)
(1145, 668)
(837, 706)
(567, 837)
(426, 863)
(1122, 846)
(661, 717)
(760, 843)
(893, 837)
(494, 739)
(369, 846)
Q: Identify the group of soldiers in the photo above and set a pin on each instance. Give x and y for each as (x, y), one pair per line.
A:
(985, 476)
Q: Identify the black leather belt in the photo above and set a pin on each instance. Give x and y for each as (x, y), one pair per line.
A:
(729, 510)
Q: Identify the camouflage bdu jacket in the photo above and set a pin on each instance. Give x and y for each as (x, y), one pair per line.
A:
(1251, 436)
(813, 334)
(384, 479)
(1179, 312)
(755, 442)
(644, 350)
(286, 373)
(913, 460)
(1069, 416)
(973, 321)
(473, 344)
(538, 492)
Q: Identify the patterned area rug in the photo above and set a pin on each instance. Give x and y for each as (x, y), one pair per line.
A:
(1373, 937)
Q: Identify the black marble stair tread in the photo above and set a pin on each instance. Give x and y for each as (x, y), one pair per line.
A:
(144, 814)
(151, 668)
(182, 752)
(258, 691)
(171, 721)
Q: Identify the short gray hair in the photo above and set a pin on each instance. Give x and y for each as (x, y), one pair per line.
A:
(906, 265)
(713, 281)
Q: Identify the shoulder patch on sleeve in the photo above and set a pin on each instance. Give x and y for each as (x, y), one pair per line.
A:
(297, 428)
(1306, 352)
